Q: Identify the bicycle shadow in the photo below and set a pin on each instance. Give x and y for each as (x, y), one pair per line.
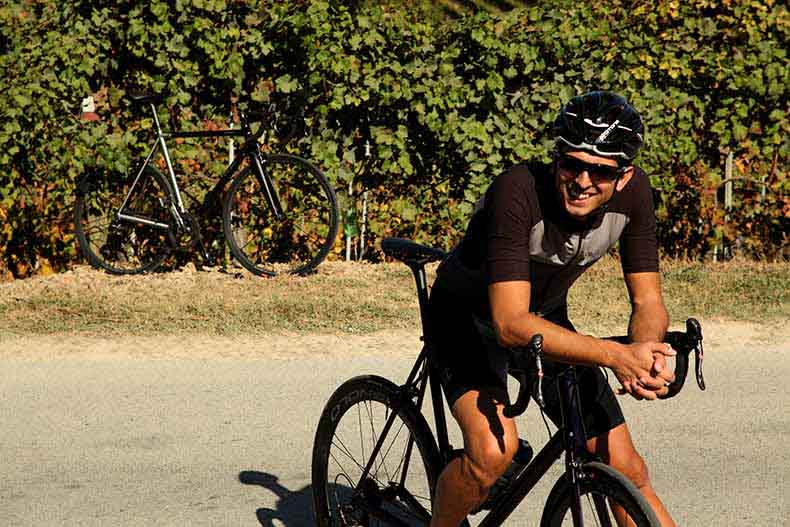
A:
(293, 508)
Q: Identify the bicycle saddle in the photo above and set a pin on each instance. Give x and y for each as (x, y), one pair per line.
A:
(145, 97)
(409, 252)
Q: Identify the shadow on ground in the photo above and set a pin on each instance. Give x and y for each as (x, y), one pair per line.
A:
(293, 508)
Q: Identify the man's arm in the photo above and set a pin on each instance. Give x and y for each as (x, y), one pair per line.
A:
(515, 325)
(649, 319)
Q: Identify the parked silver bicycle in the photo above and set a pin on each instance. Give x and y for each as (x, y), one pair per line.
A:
(279, 213)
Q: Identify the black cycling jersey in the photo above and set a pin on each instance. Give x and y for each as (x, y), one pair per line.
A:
(520, 231)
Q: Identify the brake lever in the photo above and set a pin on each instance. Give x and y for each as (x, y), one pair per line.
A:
(684, 344)
(534, 348)
(537, 340)
(694, 331)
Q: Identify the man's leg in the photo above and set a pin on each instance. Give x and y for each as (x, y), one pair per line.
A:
(616, 449)
(490, 442)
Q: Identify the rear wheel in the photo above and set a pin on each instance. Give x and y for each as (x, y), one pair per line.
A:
(605, 494)
(117, 245)
(301, 237)
(399, 486)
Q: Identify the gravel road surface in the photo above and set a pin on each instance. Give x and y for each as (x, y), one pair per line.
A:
(209, 431)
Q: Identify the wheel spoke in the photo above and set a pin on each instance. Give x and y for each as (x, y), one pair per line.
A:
(130, 248)
(295, 242)
(344, 450)
(374, 438)
(361, 441)
(379, 499)
(341, 466)
(607, 499)
(392, 443)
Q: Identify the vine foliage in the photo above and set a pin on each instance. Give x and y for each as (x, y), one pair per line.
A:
(445, 105)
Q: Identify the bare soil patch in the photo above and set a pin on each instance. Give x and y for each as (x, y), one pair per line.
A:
(719, 337)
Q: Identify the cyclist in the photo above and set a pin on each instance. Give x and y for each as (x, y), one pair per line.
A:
(536, 230)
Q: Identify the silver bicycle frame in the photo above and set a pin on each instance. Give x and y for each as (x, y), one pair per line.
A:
(177, 208)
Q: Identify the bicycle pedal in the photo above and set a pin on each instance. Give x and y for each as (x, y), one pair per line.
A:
(496, 491)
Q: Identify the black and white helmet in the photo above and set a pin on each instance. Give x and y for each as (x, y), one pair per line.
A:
(601, 123)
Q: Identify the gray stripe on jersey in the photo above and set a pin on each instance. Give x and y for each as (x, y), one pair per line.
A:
(551, 245)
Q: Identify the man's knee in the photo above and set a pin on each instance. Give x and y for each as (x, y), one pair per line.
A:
(488, 461)
(490, 439)
(617, 450)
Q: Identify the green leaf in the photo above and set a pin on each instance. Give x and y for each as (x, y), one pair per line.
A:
(286, 84)
(22, 100)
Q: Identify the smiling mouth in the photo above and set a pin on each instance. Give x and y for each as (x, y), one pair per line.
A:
(575, 193)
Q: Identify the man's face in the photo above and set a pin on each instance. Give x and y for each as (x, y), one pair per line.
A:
(586, 181)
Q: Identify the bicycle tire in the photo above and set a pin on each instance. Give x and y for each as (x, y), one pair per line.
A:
(123, 247)
(600, 486)
(299, 241)
(337, 499)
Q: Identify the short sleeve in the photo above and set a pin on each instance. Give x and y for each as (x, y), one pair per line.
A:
(509, 215)
(638, 243)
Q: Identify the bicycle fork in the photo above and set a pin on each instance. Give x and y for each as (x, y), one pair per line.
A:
(267, 185)
(575, 441)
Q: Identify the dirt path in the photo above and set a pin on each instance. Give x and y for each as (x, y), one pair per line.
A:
(718, 335)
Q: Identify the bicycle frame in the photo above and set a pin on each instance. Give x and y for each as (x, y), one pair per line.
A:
(177, 209)
(568, 439)
(581, 467)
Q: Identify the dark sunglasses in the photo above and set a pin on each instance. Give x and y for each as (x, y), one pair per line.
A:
(596, 171)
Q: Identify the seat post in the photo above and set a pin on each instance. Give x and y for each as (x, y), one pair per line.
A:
(418, 270)
(156, 121)
(166, 153)
(440, 420)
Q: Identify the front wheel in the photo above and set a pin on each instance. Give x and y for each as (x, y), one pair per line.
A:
(606, 497)
(305, 231)
(398, 488)
(129, 241)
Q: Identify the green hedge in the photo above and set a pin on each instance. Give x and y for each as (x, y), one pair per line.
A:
(446, 105)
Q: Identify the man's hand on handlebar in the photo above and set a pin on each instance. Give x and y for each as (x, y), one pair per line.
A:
(662, 371)
(641, 369)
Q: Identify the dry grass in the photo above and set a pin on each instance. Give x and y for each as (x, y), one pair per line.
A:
(745, 291)
(349, 299)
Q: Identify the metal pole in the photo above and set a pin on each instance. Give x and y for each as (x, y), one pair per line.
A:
(350, 204)
(727, 192)
(728, 182)
(364, 224)
(231, 145)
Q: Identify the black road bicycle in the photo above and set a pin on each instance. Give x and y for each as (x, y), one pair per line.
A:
(376, 462)
(279, 214)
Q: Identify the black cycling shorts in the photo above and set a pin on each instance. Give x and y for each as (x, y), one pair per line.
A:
(468, 359)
